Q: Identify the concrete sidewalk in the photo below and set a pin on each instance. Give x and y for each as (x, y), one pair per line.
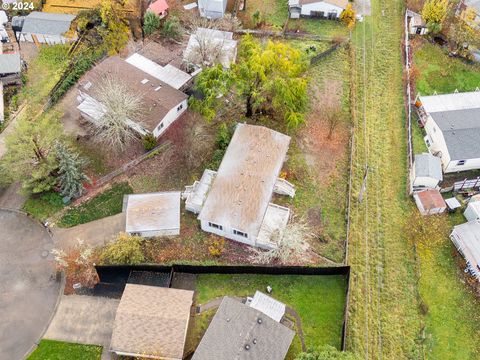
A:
(95, 233)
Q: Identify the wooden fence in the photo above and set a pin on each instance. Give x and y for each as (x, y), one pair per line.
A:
(467, 184)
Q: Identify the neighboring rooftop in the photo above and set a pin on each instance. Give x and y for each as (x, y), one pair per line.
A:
(427, 165)
(242, 189)
(431, 200)
(158, 97)
(152, 212)
(158, 7)
(417, 19)
(268, 305)
(340, 3)
(240, 332)
(466, 238)
(47, 23)
(152, 322)
(169, 74)
(10, 63)
(448, 102)
(219, 42)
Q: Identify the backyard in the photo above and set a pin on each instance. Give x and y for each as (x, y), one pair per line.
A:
(57, 350)
(319, 301)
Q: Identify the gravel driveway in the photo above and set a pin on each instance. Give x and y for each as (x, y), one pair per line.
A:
(28, 289)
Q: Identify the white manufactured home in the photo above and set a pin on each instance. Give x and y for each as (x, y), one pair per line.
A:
(163, 104)
(466, 238)
(46, 28)
(326, 9)
(452, 124)
(235, 202)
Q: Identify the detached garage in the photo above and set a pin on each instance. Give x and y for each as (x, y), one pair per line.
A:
(46, 28)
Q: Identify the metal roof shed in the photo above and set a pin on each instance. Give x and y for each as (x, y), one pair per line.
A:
(155, 214)
(466, 238)
(268, 305)
(47, 23)
(430, 202)
(10, 64)
(427, 171)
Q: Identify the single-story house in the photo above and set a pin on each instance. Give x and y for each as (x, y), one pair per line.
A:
(429, 202)
(159, 8)
(452, 124)
(238, 331)
(212, 9)
(323, 9)
(46, 28)
(416, 24)
(151, 322)
(155, 214)
(10, 64)
(163, 104)
(472, 212)
(466, 238)
(208, 47)
(267, 305)
(169, 74)
(426, 172)
(235, 201)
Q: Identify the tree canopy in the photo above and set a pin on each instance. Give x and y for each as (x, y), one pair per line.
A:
(435, 11)
(327, 353)
(270, 79)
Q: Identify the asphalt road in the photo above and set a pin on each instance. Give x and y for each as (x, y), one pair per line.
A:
(28, 289)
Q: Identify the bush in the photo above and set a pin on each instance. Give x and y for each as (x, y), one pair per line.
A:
(151, 23)
(224, 135)
(149, 142)
(126, 250)
(172, 28)
(216, 246)
(42, 206)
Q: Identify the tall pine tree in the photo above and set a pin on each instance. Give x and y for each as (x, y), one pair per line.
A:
(71, 174)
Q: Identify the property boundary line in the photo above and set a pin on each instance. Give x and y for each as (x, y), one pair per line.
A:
(107, 273)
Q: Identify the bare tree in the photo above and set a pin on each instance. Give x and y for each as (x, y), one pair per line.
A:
(206, 50)
(329, 104)
(291, 243)
(121, 109)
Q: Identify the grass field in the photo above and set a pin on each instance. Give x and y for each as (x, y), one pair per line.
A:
(274, 13)
(328, 28)
(106, 204)
(43, 206)
(441, 73)
(57, 350)
(319, 300)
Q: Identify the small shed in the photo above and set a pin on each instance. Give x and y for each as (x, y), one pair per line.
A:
(426, 172)
(267, 305)
(416, 24)
(46, 28)
(466, 238)
(472, 212)
(152, 322)
(159, 8)
(10, 64)
(155, 214)
(430, 202)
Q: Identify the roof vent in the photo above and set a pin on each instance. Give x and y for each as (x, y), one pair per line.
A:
(144, 81)
(254, 341)
(247, 347)
(259, 320)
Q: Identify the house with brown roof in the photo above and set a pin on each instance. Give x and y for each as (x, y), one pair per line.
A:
(162, 103)
(151, 322)
(430, 202)
(323, 9)
(235, 201)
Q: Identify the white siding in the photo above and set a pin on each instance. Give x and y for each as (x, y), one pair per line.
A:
(228, 233)
(165, 232)
(43, 39)
(437, 142)
(321, 6)
(171, 116)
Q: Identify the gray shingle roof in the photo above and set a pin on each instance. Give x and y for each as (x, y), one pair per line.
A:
(240, 332)
(427, 165)
(461, 130)
(47, 23)
(10, 63)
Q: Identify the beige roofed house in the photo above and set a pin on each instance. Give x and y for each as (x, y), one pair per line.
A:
(152, 322)
(330, 9)
(155, 214)
(235, 203)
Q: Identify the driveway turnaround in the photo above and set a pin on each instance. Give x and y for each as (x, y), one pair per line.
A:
(28, 288)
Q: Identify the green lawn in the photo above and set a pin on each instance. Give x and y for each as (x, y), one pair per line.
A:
(274, 12)
(43, 206)
(441, 73)
(57, 350)
(319, 300)
(418, 143)
(328, 28)
(106, 204)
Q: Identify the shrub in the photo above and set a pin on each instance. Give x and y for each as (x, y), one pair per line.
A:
(126, 249)
(151, 23)
(216, 246)
(149, 142)
(172, 29)
(44, 205)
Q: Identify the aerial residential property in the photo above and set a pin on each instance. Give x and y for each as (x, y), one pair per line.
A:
(452, 125)
(235, 202)
(239, 180)
(163, 103)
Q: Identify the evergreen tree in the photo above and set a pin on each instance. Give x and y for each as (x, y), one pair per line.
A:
(151, 23)
(70, 171)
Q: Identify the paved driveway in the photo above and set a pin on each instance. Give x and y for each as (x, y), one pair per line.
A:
(28, 290)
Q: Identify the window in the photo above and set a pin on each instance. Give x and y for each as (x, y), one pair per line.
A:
(461, 162)
(239, 233)
(215, 226)
(180, 107)
(160, 126)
